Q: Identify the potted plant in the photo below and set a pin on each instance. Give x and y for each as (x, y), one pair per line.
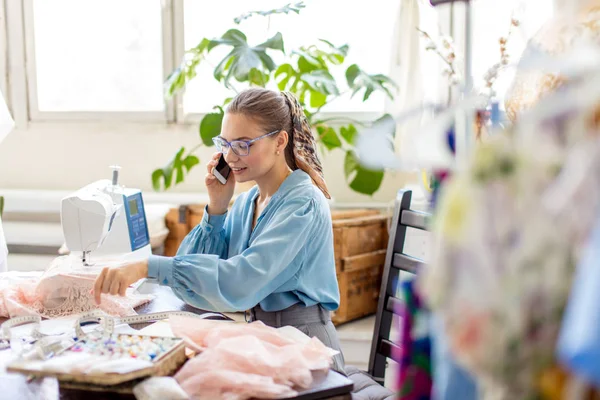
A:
(306, 72)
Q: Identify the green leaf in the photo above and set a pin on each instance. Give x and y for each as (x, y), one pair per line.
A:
(367, 181)
(349, 133)
(243, 58)
(336, 59)
(175, 81)
(342, 50)
(178, 166)
(157, 175)
(267, 61)
(232, 37)
(275, 43)
(351, 73)
(179, 153)
(257, 78)
(309, 59)
(202, 46)
(317, 99)
(329, 137)
(310, 55)
(304, 65)
(321, 81)
(180, 175)
(186, 71)
(288, 72)
(336, 55)
(168, 175)
(360, 179)
(190, 161)
(210, 126)
(350, 164)
(358, 79)
(314, 58)
(283, 10)
(314, 84)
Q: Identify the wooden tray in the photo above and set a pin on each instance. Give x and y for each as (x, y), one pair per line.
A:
(165, 365)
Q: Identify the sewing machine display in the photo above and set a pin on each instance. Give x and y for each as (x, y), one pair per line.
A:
(105, 220)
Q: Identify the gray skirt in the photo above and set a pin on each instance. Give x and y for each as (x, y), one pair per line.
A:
(313, 321)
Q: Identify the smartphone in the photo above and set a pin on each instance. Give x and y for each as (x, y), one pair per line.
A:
(222, 170)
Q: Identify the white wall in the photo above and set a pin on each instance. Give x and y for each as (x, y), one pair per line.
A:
(66, 156)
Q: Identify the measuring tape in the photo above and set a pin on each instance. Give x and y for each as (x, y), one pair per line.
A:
(18, 321)
(106, 322)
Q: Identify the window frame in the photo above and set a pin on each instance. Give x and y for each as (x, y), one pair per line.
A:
(20, 75)
(35, 115)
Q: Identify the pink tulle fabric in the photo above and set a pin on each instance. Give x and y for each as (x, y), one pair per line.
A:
(60, 291)
(240, 361)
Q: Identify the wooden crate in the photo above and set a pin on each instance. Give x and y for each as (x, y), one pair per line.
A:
(365, 231)
(359, 285)
(348, 214)
(195, 214)
(176, 221)
(180, 222)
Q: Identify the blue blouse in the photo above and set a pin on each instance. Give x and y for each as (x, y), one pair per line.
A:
(224, 265)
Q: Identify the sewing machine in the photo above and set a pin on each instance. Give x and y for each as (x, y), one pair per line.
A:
(106, 220)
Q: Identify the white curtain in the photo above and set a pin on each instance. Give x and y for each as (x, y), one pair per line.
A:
(416, 71)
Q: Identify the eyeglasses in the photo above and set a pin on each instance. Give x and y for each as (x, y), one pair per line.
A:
(239, 147)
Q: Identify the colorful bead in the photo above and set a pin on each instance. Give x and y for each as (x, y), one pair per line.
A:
(118, 346)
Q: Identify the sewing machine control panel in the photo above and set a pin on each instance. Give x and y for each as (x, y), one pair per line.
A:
(136, 220)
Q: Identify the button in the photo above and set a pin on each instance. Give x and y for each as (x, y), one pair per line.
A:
(208, 228)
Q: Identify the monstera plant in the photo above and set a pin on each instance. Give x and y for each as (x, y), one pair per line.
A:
(306, 72)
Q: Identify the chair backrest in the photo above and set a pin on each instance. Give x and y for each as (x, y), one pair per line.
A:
(396, 264)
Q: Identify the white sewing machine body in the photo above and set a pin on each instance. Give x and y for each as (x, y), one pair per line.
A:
(106, 221)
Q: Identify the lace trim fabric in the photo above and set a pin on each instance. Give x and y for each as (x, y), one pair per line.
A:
(62, 290)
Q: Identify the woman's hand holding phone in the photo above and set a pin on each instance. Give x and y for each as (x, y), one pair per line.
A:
(219, 194)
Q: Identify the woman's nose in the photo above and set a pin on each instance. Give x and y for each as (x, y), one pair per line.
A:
(231, 156)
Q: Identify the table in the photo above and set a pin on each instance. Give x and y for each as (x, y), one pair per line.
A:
(15, 386)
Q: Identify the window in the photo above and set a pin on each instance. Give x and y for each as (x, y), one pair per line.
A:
(491, 21)
(99, 57)
(366, 27)
(96, 56)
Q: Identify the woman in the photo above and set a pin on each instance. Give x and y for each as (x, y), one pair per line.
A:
(272, 253)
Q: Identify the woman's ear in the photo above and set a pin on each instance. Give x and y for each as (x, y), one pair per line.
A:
(282, 141)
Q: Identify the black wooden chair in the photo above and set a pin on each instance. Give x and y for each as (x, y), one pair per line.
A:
(383, 347)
